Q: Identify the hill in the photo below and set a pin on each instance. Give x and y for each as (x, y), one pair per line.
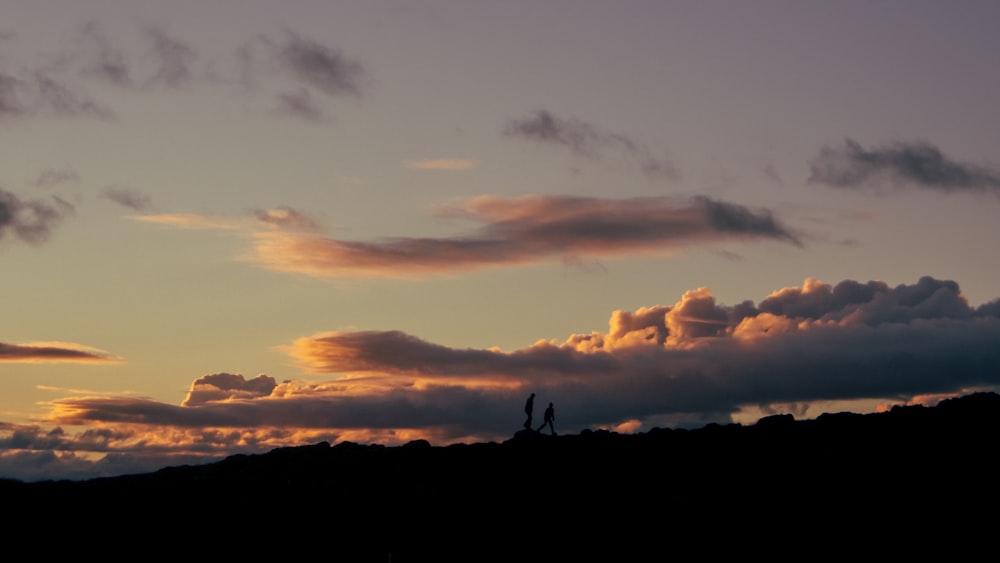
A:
(883, 482)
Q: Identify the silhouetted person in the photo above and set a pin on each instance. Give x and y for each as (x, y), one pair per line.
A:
(528, 408)
(550, 417)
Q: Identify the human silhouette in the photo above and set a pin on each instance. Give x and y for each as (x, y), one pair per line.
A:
(550, 417)
(528, 408)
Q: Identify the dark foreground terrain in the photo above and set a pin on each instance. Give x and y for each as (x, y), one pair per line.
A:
(915, 481)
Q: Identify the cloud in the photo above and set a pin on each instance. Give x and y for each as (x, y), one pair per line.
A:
(698, 358)
(10, 102)
(587, 141)
(187, 221)
(312, 65)
(526, 230)
(900, 164)
(128, 198)
(31, 91)
(164, 61)
(300, 104)
(30, 221)
(680, 365)
(442, 164)
(60, 100)
(52, 177)
(225, 386)
(38, 352)
(172, 58)
(101, 59)
(36, 93)
(322, 67)
(694, 361)
(286, 218)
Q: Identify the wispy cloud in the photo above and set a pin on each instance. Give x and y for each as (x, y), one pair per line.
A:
(36, 93)
(132, 199)
(322, 67)
(296, 67)
(32, 220)
(286, 218)
(62, 100)
(442, 164)
(688, 363)
(188, 221)
(526, 230)
(100, 58)
(52, 177)
(172, 59)
(588, 141)
(300, 104)
(916, 164)
(11, 104)
(38, 352)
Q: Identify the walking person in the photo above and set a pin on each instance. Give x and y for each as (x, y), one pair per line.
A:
(528, 407)
(550, 417)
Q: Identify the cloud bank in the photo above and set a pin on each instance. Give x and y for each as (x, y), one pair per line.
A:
(689, 363)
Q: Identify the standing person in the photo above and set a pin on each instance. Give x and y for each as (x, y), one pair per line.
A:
(528, 407)
(550, 417)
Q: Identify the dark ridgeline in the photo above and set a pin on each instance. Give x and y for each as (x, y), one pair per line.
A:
(842, 486)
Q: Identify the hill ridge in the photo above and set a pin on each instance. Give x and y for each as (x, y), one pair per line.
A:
(926, 468)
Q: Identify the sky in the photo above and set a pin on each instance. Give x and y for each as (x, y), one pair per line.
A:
(230, 226)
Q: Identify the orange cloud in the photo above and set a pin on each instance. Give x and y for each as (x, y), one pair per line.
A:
(524, 230)
(374, 361)
(225, 386)
(186, 221)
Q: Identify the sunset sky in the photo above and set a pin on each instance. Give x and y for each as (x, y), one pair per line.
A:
(233, 225)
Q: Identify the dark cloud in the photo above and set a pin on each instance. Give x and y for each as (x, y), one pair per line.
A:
(30, 221)
(53, 352)
(586, 140)
(322, 67)
(736, 219)
(914, 164)
(529, 230)
(129, 198)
